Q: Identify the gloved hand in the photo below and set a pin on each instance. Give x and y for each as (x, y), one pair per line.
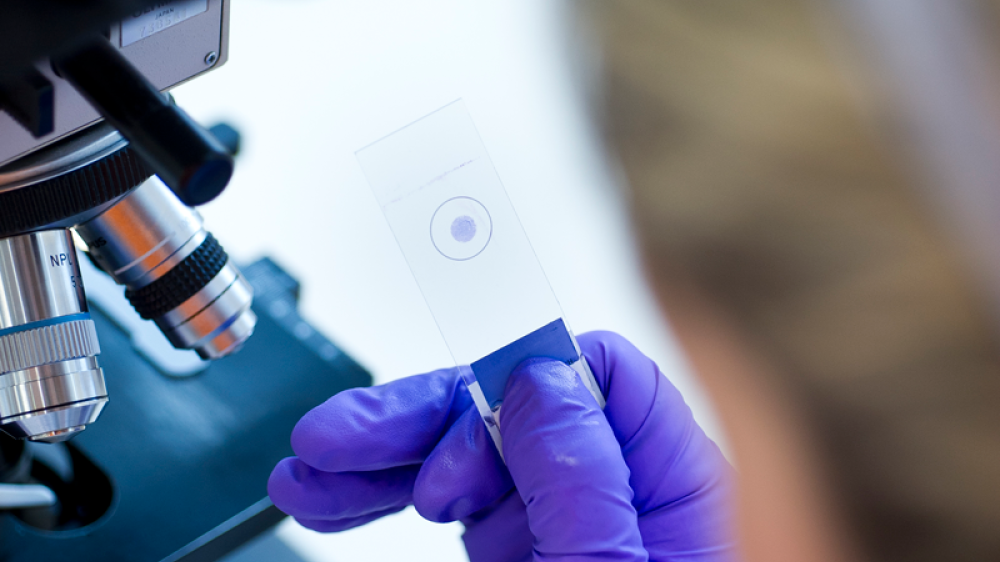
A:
(639, 479)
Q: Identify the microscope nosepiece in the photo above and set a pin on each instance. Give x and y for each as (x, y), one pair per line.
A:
(51, 386)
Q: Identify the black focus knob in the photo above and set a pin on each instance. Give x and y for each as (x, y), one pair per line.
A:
(96, 169)
(190, 160)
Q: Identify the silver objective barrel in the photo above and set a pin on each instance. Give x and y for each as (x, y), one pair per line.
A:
(175, 273)
(51, 385)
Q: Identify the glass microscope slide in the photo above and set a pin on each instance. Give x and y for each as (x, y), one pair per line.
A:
(471, 258)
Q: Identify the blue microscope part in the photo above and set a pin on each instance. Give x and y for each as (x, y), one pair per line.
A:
(552, 341)
(45, 323)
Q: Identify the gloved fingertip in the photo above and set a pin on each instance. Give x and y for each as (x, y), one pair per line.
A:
(284, 481)
(499, 533)
(463, 474)
(311, 434)
(542, 379)
(604, 338)
(336, 526)
(321, 526)
(302, 491)
(600, 348)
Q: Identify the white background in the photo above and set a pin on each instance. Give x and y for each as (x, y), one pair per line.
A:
(309, 82)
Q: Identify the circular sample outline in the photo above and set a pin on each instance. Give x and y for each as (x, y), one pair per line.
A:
(489, 236)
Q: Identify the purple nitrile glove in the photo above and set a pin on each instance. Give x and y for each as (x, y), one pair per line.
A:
(640, 480)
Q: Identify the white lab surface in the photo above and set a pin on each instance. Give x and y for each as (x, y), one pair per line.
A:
(309, 82)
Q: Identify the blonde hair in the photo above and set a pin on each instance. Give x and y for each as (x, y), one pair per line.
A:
(755, 175)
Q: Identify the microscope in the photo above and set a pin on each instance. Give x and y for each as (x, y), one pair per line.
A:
(100, 172)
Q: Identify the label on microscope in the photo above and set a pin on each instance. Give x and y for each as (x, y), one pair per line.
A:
(154, 19)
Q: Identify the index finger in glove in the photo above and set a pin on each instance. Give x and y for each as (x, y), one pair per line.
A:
(427, 423)
(381, 427)
(306, 493)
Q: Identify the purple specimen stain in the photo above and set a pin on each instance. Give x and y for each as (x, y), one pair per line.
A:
(463, 228)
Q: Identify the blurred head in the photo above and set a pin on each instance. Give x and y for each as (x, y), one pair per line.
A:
(833, 318)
